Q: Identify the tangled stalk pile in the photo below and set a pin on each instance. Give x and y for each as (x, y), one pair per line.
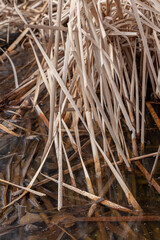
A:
(94, 61)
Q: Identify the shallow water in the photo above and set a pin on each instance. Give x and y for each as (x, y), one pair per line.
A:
(26, 219)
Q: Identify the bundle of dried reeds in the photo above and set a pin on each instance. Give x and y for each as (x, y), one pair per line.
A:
(94, 62)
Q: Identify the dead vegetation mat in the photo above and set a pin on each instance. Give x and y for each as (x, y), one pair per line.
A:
(76, 84)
